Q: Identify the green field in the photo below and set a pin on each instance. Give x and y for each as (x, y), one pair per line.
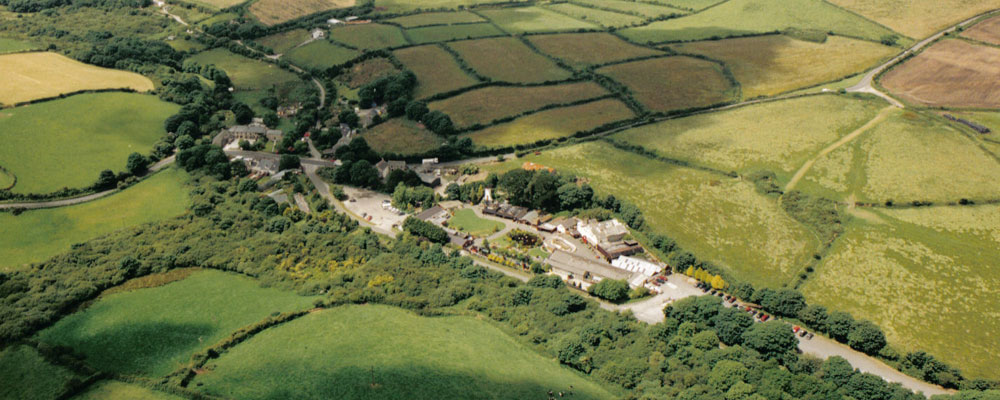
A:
(246, 73)
(285, 41)
(465, 220)
(534, 19)
(436, 70)
(114, 390)
(321, 55)
(719, 219)
(552, 124)
(37, 235)
(432, 34)
(437, 18)
(508, 59)
(395, 6)
(673, 83)
(367, 71)
(743, 17)
(27, 376)
(369, 36)
(154, 331)
(928, 277)
(776, 136)
(15, 46)
(401, 136)
(632, 7)
(485, 105)
(333, 354)
(583, 49)
(606, 19)
(68, 142)
(691, 4)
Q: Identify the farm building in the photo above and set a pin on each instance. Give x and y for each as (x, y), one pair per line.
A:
(386, 167)
(254, 131)
(318, 33)
(608, 237)
(584, 271)
(567, 227)
(633, 264)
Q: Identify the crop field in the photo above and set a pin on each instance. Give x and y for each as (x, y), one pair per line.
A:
(436, 70)
(444, 33)
(673, 83)
(918, 18)
(507, 59)
(217, 4)
(742, 17)
(770, 65)
(15, 46)
(154, 331)
(28, 376)
(774, 136)
(485, 105)
(397, 6)
(604, 18)
(552, 124)
(37, 235)
(437, 18)
(951, 73)
(115, 390)
(369, 36)
(584, 49)
(647, 10)
(285, 41)
(719, 219)
(466, 221)
(367, 71)
(987, 31)
(534, 19)
(272, 12)
(401, 136)
(246, 73)
(32, 76)
(321, 54)
(927, 278)
(333, 354)
(68, 142)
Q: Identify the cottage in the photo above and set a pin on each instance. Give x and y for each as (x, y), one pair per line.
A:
(254, 131)
(386, 167)
(567, 227)
(318, 33)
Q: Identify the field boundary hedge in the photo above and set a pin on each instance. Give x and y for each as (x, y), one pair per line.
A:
(74, 93)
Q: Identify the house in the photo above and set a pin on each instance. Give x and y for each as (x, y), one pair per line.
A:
(386, 167)
(567, 227)
(608, 237)
(288, 111)
(530, 218)
(254, 131)
(318, 33)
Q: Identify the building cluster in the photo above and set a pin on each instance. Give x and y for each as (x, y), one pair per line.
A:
(610, 238)
(252, 132)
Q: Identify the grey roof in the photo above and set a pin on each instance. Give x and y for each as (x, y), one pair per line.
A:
(249, 129)
(580, 265)
(430, 213)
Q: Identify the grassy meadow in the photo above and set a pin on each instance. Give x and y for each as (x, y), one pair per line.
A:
(26, 375)
(271, 12)
(367, 71)
(246, 73)
(333, 354)
(217, 4)
(444, 33)
(552, 124)
(507, 59)
(154, 331)
(673, 83)
(693, 5)
(32, 76)
(436, 70)
(36, 235)
(466, 221)
(584, 49)
(401, 136)
(68, 142)
(321, 54)
(775, 64)
(607, 19)
(646, 9)
(436, 18)
(534, 19)
(399, 6)
(485, 105)
(285, 41)
(918, 18)
(115, 390)
(369, 36)
(15, 46)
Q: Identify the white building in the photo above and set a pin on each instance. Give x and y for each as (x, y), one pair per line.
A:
(602, 232)
(633, 264)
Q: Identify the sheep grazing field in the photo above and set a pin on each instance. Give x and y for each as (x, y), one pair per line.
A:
(483, 106)
(508, 60)
(436, 69)
(552, 124)
(673, 83)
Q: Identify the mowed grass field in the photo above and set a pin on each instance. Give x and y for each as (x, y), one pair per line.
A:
(401, 136)
(68, 142)
(285, 41)
(718, 218)
(466, 221)
(770, 65)
(444, 33)
(918, 18)
(552, 124)
(154, 331)
(927, 276)
(646, 9)
(777, 136)
(26, 375)
(369, 36)
(15, 46)
(436, 70)
(321, 54)
(534, 19)
(584, 49)
(37, 235)
(32, 76)
(508, 59)
(485, 105)
(272, 12)
(951, 73)
(742, 17)
(986, 31)
(673, 83)
(115, 390)
(246, 73)
(606, 19)
(436, 18)
(333, 353)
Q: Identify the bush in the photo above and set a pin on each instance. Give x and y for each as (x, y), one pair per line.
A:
(866, 337)
(425, 230)
(610, 289)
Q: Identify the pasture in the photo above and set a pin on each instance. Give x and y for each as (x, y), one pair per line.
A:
(246, 73)
(285, 41)
(507, 59)
(37, 235)
(584, 49)
(271, 12)
(951, 73)
(321, 54)
(335, 352)
(445, 33)
(28, 376)
(154, 331)
(986, 31)
(533, 19)
(717, 218)
(775, 64)
(916, 266)
(33, 76)
(606, 19)
(217, 4)
(68, 142)
(436, 70)
(15, 46)
(743, 17)
(918, 18)
(647, 10)
(673, 83)
(693, 5)
(400, 6)
(775, 136)
(401, 136)
(436, 18)
(115, 390)
(369, 36)
(367, 71)
(552, 124)
(465, 220)
(485, 105)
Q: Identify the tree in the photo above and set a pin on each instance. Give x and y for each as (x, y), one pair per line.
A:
(244, 114)
(866, 337)
(271, 119)
(772, 339)
(289, 161)
(727, 373)
(840, 324)
(730, 324)
(397, 107)
(425, 230)
(438, 122)
(572, 196)
(415, 110)
(837, 370)
(137, 164)
(184, 142)
(814, 316)
(348, 117)
(364, 174)
(610, 289)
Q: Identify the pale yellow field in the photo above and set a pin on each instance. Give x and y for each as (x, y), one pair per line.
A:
(982, 221)
(272, 12)
(918, 18)
(32, 76)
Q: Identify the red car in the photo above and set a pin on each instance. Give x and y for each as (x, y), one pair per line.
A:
(764, 317)
(795, 329)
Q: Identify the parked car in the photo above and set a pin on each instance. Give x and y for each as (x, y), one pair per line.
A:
(764, 317)
(712, 293)
(809, 336)
(732, 299)
(802, 333)
(796, 329)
